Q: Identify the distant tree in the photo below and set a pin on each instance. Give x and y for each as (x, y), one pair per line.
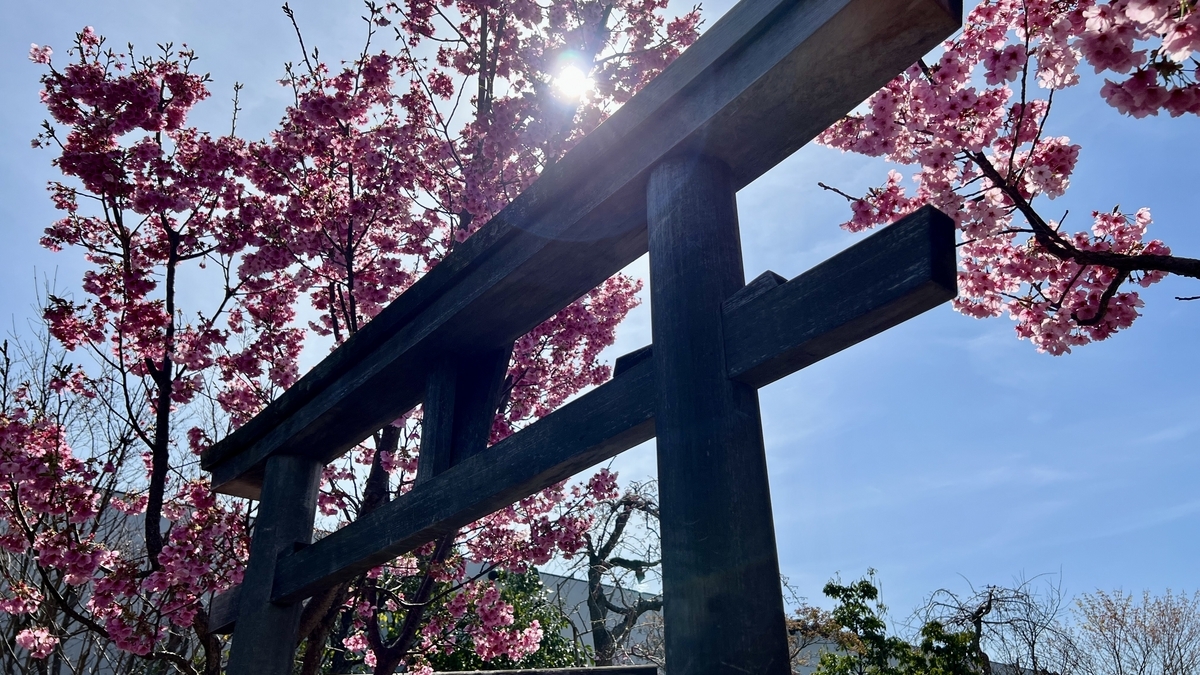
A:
(865, 646)
(1028, 628)
(621, 550)
(1156, 635)
(1025, 626)
(809, 629)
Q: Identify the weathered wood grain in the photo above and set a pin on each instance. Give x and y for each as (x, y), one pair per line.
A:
(765, 79)
(759, 285)
(437, 421)
(620, 414)
(480, 380)
(223, 611)
(720, 568)
(461, 396)
(627, 361)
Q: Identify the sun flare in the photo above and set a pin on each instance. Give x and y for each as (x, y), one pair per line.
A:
(572, 83)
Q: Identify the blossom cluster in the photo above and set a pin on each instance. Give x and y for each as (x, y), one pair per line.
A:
(477, 611)
(51, 509)
(975, 129)
(369, 181)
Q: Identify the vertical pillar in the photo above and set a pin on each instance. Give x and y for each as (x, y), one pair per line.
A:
(264, 640)
(724, 605)
(461, 397)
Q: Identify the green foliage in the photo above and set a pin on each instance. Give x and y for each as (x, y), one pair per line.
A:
(526, 593)
(945, 652)
(864, 646)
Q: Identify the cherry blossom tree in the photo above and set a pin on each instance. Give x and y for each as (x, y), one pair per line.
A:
(148, 199)
(69, 548)
(380, 167)
(378, 171)
(974, 123)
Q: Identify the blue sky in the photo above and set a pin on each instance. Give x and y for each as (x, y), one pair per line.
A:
(942, 451)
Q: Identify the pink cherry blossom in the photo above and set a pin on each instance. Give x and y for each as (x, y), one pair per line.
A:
(366, 184)
(985, 156)
(38, 641)
(40, 54)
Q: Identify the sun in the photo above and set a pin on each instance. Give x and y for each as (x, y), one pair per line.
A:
(572, 83)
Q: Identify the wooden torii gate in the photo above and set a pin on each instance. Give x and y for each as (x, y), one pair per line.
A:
(659, 175)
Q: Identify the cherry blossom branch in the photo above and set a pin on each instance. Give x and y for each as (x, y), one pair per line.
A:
(849, 198)
(1105, 298)
(291, 15)
(183, 664)
(1057, 245)
(389, 655)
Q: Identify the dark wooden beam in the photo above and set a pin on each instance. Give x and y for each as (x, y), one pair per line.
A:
(620, 414)
(596, 426)
(480, 380)
(223, 611)
(461, 396)
(757, 286)
(593, 670)
(627, 361)
(882, 281)
(437, 421)
(264, 638)
(720, 568)
(761, 82)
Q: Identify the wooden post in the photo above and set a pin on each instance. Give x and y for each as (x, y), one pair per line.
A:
(437, 423)
(264, 641)
(723, 607)
(460, 404)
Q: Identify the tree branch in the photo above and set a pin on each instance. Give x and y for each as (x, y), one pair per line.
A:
(1061, 248)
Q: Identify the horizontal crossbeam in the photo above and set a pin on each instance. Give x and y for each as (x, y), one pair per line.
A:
(878, 283)
(761, 82)
(599, 425)
(772, 329)
(594, 670)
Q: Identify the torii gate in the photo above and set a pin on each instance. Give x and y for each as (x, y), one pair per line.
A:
(660, 175)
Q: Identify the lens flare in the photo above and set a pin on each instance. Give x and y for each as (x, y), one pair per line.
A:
(572, 83)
